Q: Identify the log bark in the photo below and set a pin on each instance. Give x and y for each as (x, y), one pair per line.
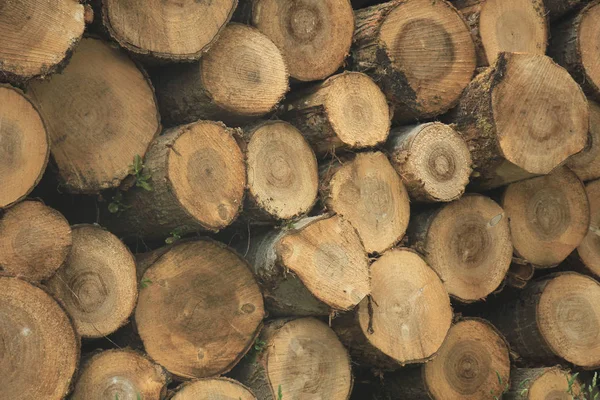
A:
(367, 192)
(120, 374)
(297, 359)
(552, 123)
(24, 147)
(557, 9)
(165, 30)
(549, 216)
(213, 388)
(404, 320)
(347, 111)
(586, 163)
(312, 267)
(313, 35)
(432, 159)
(467, 242)
(420, 53)
(588, 252)
(540, 383)
(208, 307)
(281, 171)
(97, 284)
(40, 345)
(469, 366)
(198, 177)
(34, 241)
(242, 77)
(574, 48)
(37, 37)
(554, 318)
(100, 113)
(505, 26)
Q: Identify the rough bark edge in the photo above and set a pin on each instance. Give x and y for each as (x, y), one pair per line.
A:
(160, 55)
(254, 335)
(46, 158)
(21, 80)
(255, 213)
(565, 48)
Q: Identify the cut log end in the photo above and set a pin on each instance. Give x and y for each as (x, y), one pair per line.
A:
(200, 311)
(101, 102)
(552, 110)
(368, 192)
(328, 257)
(282, 171)
(472, 363)
(213, 388)
(314, 36)
(97, 284)
(38, 36)
(406, 317)
(120, 374)
(586, 163)
(34, 241)
(512, 26)
(568, 315)
(549, 216)
(542, 383)
(207, 173)
(433, 161)
(172, 31)
(589, 249)
(40, 336)
(430, 46)
(468, 244)
(24, 146)
(244, 73)
(589, 30)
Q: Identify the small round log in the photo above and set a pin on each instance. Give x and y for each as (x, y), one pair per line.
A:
(588, 251)
(541, 384)
(213, 388)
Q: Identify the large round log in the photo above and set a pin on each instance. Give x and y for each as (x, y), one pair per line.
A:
(556, 317)
(467, 242)
(549, 216)
(97, 284)
(312, 267)
(243, 76)
(472, 364)
(420, 52)
(347, 111)
(432, 159)
(213, 388)
(120, 374)
(281, 171)
(541, 384)
(406, 317)
(586, 163)
(34, 241)
(297, 359)
(37, 36)
(518, 26)
(552, 121)
(313, 35)
(198, 177)
(24, 147)
(40, 348)
(574, 47)
(200, 311)
(370, 195)
(588, 251)
(100, 113)
(170, 30)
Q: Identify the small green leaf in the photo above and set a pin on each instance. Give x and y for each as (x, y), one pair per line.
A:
(113, 208)
(595, 379)
(139, 396)
(144, 185)
(279, 393)
(145, 282)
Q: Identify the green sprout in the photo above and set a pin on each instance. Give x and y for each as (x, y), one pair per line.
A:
(142, 178)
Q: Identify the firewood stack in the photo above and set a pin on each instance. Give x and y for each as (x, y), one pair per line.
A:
(308, 199)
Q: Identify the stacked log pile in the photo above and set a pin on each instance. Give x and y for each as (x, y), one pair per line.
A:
(308, 199)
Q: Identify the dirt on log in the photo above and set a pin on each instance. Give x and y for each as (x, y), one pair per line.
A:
(552, 121)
